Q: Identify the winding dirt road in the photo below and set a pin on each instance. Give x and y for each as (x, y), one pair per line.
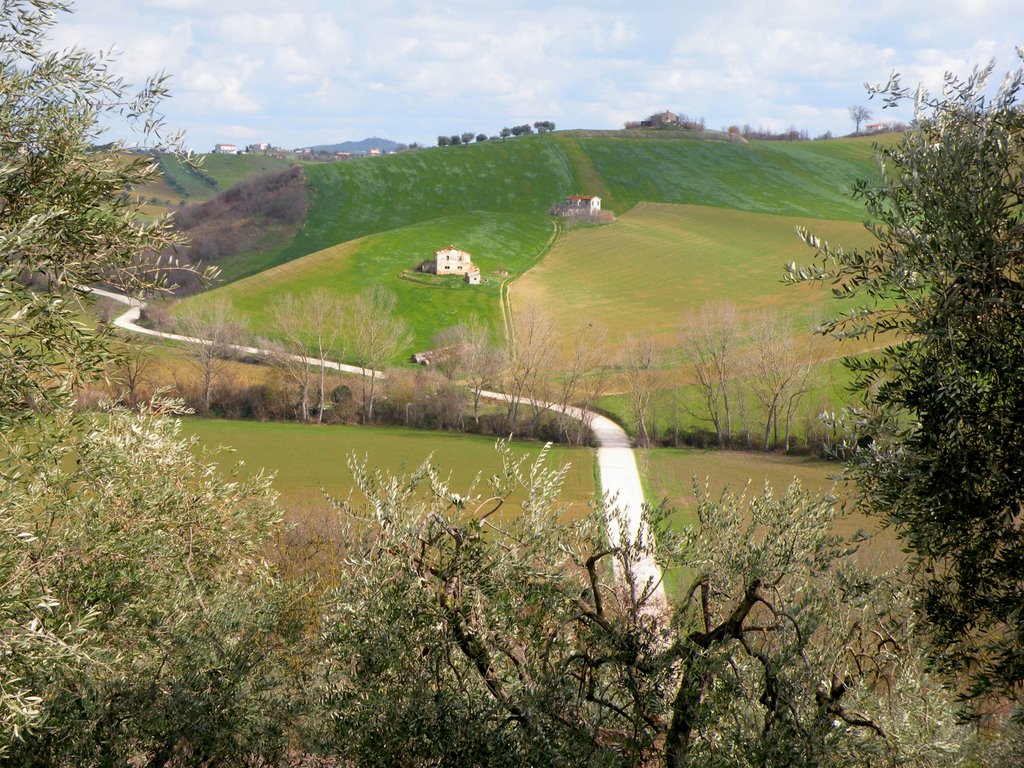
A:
(620, 479)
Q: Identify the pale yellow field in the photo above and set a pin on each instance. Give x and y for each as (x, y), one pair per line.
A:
(658, 262)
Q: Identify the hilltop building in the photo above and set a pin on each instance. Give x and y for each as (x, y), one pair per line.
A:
(225, 149)
(578, 205)
(664, 119)
(452, 261)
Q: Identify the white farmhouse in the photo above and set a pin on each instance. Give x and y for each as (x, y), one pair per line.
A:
(578, 205)
(452, 261)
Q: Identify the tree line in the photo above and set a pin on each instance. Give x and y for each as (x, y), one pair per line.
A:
(541, 126)
(729, 380)
(309, 332)
(745, 380)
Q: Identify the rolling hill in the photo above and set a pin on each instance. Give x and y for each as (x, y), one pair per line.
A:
(213, 175)
(725, 222)
(503, 245)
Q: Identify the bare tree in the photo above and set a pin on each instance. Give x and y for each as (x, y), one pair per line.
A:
(640, 362)
(580, 378)
(131, 373)
(803, 380)
(781, 373)
(377, 336)
(471, 354)
(214, 327)
(531, 355)
(859, 114)
(710, 340)
(325, 322)
(287, 353)
(770, 361)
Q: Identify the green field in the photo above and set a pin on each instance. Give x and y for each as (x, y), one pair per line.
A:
(669, 474)
(529, 174)
(508, 243)
(373, 219)
(805, 179)
(226, 170)
(355, 198)
(365, 196)
(307, 458)
(658, 262)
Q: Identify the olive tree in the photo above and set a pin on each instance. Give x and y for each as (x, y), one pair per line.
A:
(140, 619)
(941, 416)
(65, 221)
(122, 613)
(466, 628)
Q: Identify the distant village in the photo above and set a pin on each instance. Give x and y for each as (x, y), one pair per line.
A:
(305, 153)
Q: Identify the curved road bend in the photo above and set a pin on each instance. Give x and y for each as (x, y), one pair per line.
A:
(620, 479)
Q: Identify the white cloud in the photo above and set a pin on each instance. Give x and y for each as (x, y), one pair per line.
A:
(219, 87)
(413, 70)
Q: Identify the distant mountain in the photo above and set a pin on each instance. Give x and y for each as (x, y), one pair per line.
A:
(359, 147)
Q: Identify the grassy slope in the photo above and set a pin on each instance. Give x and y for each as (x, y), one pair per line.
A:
(349, 200)
(652, 266)
(365, 196)
(806, 179)
(527, 175)
(355, 198)
(498, 242)
(227, 170)
(361, 197)
(308, 458)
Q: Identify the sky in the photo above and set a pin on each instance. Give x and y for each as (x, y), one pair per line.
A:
(298, 73)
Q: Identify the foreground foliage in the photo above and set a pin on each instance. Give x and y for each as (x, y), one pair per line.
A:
(942, 417)
(142, 624)
(65, 220)
(463, 635)
(138, 616)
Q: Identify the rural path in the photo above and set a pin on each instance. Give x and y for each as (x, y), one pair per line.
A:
(620, 478)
